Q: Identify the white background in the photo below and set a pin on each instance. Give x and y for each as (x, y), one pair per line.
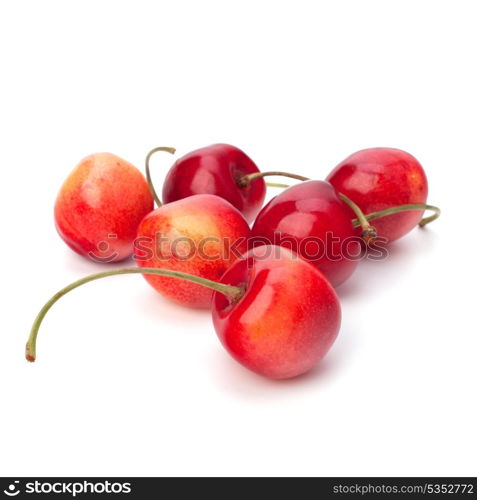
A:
(127, 383)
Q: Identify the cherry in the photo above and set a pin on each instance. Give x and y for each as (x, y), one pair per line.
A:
(312, 220)
(287, 318)
(216, 169)
(219, 169)
(100, 205)
(379, 178)
(275, 313)
(202, 235)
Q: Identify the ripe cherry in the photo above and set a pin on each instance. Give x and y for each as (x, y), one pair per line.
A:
(287, 318)
(202, 235)
(100, 205)
(219, 169)
(216, 169)
(275, 313)
(311, 219)
(380, 178)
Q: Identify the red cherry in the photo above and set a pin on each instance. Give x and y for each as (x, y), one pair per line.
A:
(201, 235)
(100, 205)
(275, 313)
(310, 219)
(380, 178)
(216, 169)
(287, 318)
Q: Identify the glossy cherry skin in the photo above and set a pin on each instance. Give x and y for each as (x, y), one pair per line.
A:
(380, 178)
(287, 319)
(216, 170)
(100, 206)
(201, 235)
(311, 220)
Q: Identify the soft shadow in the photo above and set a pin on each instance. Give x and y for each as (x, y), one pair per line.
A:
(404, 254)
(84, 266)
(163, 311)
(232, 378)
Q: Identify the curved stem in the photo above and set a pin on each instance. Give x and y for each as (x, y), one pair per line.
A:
(245, 180)
(368, 232)
(426, 220)
(277, 185)
(404, 208)
(233, 292)
(148, 173)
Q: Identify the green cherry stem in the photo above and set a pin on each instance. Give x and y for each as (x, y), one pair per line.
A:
(404, 208)
(245, 180)
(148, 172)
(233, 292)
(368, 232)
(361, 219)
(277, 185)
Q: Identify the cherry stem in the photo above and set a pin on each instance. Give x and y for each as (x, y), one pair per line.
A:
(368, 232)
(233, 292)
(148, 173)
(404, 208)
(245, 180)
(374, 215)
(277, 185)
